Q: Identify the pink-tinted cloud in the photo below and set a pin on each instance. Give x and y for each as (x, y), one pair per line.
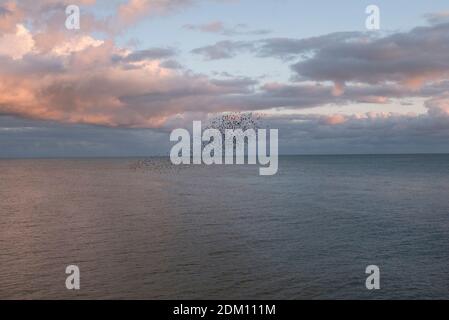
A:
(51, 74)
(10, 16)
(134, 9)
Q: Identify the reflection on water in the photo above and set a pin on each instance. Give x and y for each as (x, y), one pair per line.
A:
(149, 230)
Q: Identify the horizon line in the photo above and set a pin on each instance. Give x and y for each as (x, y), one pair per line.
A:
(167, 156)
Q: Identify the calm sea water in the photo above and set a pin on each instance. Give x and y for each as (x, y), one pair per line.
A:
(148, 230)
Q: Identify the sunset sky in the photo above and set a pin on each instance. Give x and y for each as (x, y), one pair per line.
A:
(137, 69)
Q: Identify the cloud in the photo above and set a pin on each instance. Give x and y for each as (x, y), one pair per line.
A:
(299, 134)
(75, 44)
(438, 106)
(10, 16)
(224, 49)
(133, 10)
(288, 48)
(149, 54)
(16, 44)
(105, 85)
(33, 138)
(219, 27)
(437, 18)
(282, 48)
(359, 134)
(212, 27)
(171, 64)
(47, 16)
(77, 79)
(410, 58)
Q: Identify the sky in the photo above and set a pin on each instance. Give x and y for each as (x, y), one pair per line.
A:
(137, 69)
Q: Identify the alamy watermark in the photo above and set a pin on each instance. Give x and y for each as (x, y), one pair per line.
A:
(206, 147)
(72, 282)
(373, 280)
(72, 21)
(373, 20)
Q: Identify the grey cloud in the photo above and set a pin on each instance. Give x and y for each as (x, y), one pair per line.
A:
(287, 48)
(418, 55)
(299, 134)
(283, 48)
(152, 53)
(212, 27)
(32, 138)
(311, 134)
(437, 18)
(410, 58)
(171, 64)
(219, 27)
(4, 11)
(224, 49)
(235, 82)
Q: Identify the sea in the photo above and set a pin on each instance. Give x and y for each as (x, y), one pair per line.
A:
(146, 229)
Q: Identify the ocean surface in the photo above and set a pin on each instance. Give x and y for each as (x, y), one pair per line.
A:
(150, 230)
